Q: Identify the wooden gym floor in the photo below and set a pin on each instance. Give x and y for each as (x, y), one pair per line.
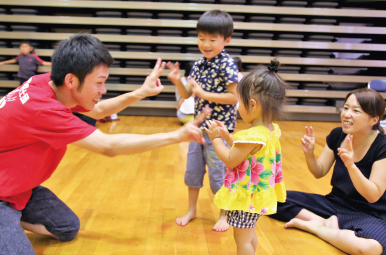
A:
(128, 204)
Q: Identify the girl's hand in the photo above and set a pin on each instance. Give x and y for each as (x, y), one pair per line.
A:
(308, 141)
(224, 131)
(213, 131)
(347, 155)
(174, 74)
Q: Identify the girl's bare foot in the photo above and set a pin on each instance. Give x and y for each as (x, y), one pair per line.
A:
(183, 220)
(222, 224)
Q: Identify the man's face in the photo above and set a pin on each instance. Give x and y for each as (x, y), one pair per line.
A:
(93, 88)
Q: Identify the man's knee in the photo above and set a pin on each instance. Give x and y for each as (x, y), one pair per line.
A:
(68, 231)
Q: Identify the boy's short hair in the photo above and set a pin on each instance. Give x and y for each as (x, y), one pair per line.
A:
(78, 55)
(26, 42)
(215, 22)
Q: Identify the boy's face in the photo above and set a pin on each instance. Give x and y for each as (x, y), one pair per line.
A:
(25, 48)
(211, 45)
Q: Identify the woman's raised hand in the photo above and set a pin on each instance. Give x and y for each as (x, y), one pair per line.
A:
(308, 141)
(347, 155)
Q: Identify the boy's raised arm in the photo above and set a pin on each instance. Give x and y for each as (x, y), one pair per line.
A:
(175, 77)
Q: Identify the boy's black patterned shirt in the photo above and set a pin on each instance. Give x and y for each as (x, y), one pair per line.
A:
(214, 76)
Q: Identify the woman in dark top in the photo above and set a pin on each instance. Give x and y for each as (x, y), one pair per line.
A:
(353, 216)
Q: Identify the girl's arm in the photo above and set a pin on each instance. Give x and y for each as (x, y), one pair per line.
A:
(230, 97)
(231, 157)
(371, 189)
(225, 133)
(323, 164)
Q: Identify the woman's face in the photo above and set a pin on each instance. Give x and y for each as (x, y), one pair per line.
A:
(354, 119)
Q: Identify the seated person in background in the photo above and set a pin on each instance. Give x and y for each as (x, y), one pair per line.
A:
(239, 74)
(185, 107)
(352, 217)
(28, 62)
(239, 67)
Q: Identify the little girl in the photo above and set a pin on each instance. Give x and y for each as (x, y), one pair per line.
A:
(254, 180)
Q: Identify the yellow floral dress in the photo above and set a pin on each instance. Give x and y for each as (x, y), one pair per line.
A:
(256, 185)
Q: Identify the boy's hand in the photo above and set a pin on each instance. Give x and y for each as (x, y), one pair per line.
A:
(196, 89)
(152, 85)
(213, 131)
(308, 141)
(224, 131)
(174, 74)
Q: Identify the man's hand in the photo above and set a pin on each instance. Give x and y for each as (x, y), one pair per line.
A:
(152, 85)
(190, 131)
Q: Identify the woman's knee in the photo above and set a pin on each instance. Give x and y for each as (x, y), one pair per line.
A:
(372, 247)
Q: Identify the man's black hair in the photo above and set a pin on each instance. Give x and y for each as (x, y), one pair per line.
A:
(215, 22)
(78, 55)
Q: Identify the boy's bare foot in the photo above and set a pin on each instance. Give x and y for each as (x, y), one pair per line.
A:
(221, 225)
(183, 220)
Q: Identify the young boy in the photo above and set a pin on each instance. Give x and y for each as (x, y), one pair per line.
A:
(28, 62)
(213, 82)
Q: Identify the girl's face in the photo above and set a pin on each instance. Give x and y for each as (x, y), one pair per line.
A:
(354, 119)
(244, 114)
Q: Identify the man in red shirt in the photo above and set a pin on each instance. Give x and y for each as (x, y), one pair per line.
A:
(37, 124)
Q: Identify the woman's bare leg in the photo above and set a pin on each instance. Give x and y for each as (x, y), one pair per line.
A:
(328, 230)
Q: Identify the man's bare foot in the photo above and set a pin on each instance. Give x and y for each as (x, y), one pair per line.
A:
(183, 220)
(221, 225)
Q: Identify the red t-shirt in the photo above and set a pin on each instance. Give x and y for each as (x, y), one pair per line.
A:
(34, 132)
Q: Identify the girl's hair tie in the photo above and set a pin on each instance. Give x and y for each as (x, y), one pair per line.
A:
(273, 68)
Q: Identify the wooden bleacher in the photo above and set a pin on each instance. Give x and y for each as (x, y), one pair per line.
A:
(199, 8)
(311, 43)
(190, 24)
